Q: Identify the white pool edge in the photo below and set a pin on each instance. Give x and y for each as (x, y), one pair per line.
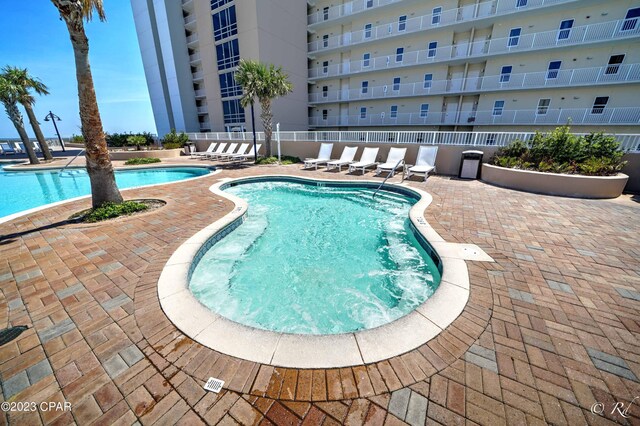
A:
(317, 351)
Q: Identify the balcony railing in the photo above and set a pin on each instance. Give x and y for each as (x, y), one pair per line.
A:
(198, 75)
(203, 109)
(429, 21)
(610, 74)
(189, 19)
(200, 93)
(628, 142)
(609, 116)
(594, 33)
(192, 38)
(194, 57)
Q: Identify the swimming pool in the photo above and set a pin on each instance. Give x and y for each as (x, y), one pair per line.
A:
(23, 190)
(316, 259)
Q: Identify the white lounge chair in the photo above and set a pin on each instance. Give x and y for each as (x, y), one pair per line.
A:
(242, 150)
(324, 156)
(19, 147)
(7, 149)
(230, 150)
(395, 159)
(368, 159)
(347, 157)
(218, 150)
(36, 147)
(425, 162)
(200, 154)
(248, 155)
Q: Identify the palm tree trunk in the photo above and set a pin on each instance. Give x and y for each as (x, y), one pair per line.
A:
(16, 118)
(36, 130)
(99, 167)
(267, 123)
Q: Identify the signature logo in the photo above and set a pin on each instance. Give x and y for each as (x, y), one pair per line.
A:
(619, 407)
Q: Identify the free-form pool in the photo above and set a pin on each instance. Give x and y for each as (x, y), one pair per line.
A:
(25, 190)
(316, 260)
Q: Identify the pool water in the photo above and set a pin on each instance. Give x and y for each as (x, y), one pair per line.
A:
(316, 260)
(25, 190)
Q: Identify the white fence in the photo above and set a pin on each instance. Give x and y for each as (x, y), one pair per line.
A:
(628, 142)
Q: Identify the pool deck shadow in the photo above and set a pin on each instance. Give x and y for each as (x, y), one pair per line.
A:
(551, 327)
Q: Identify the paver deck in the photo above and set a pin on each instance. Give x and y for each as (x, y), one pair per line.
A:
(551, 328)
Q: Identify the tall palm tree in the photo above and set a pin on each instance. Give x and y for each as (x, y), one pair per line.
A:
(265, 82)
(22, 80)
(9, 94)
(99, 167)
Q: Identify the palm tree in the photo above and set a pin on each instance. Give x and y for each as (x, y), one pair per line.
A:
(99, 167)
(22, 80)
(265, 82)
(9, 95)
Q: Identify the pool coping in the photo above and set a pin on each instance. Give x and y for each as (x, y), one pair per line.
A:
(12, 216)
(316, 351)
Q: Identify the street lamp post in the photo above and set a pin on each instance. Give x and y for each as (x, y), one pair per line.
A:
(52, 117)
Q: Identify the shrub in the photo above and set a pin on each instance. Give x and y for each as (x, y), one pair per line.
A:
(136, 161)
(286, 160)
(174, 140)
(77, 139)
(563, 152)
(118, 140)
(111, 210)
(137, 141)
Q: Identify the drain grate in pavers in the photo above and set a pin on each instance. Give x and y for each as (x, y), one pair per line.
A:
(482, 357)
(611, 364)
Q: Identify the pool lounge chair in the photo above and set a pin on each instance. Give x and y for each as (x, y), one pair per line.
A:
(425, 162)
(242, 150)
(19, 147)
(347, 157)
(200, 154)
(324, 156)
(367, 159)
(395, 159)
(218, 150)
(230, 150)
(246, 156)
(7, 149)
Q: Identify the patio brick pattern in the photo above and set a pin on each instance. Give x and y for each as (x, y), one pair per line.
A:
(550, 328)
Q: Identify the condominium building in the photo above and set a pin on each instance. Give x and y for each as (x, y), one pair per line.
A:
(497, 65)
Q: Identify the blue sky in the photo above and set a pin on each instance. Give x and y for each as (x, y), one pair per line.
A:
(36, 38)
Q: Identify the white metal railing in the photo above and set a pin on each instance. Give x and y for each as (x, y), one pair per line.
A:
(604, 31)
(189, 19)
(429, 21)
(198, 75)
(200, 93)
(194, 57)
(608, 74)
(203, 109)
(628, 142)
(192, 38)
(610, 116)
(205, 125)
(185, 2)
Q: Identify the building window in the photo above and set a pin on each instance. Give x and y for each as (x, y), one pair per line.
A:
(436, 14)
(552, 70)
(228, 85)
(399, 54)
(325, 67)
(543, 106)
(505, 74)
(614, 64)
(233, 112)
(498, 107)
(325, 40)
(325, 91)
(325, 13)
(367, 31)
(228, 54)
(396, 84)
(364, 87)
(424, 110)
(219, 3)
(431, 52)
(599, 104)
(366, 59)
(369, 3)
(363, 112)
(402, 23)
(514, 37)
(428, 79)
(521, 3)
(631, 19)
(225, 24)
(325, 114)
(394, 111)
(565, 29)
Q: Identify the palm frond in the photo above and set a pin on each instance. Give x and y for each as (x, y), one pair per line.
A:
(89, 6)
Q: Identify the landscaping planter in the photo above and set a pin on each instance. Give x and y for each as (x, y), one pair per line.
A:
(554, 183)
(158, 153)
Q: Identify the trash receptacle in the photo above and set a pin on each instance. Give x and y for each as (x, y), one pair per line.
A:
(470, 165)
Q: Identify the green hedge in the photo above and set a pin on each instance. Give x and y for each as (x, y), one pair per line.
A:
(136, 161)
(122, 139)
(112, 210)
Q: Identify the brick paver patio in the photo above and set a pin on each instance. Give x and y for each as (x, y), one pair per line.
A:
(551, 328)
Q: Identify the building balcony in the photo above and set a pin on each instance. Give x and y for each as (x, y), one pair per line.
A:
(198, 75)
(193, 38)
(195, 57)
(205, 126)
(203, 109)
(464, 51)
(200, 93)
(187, 4)
(577, 116)
(610, 74)
(429, 21)
(189, 20)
